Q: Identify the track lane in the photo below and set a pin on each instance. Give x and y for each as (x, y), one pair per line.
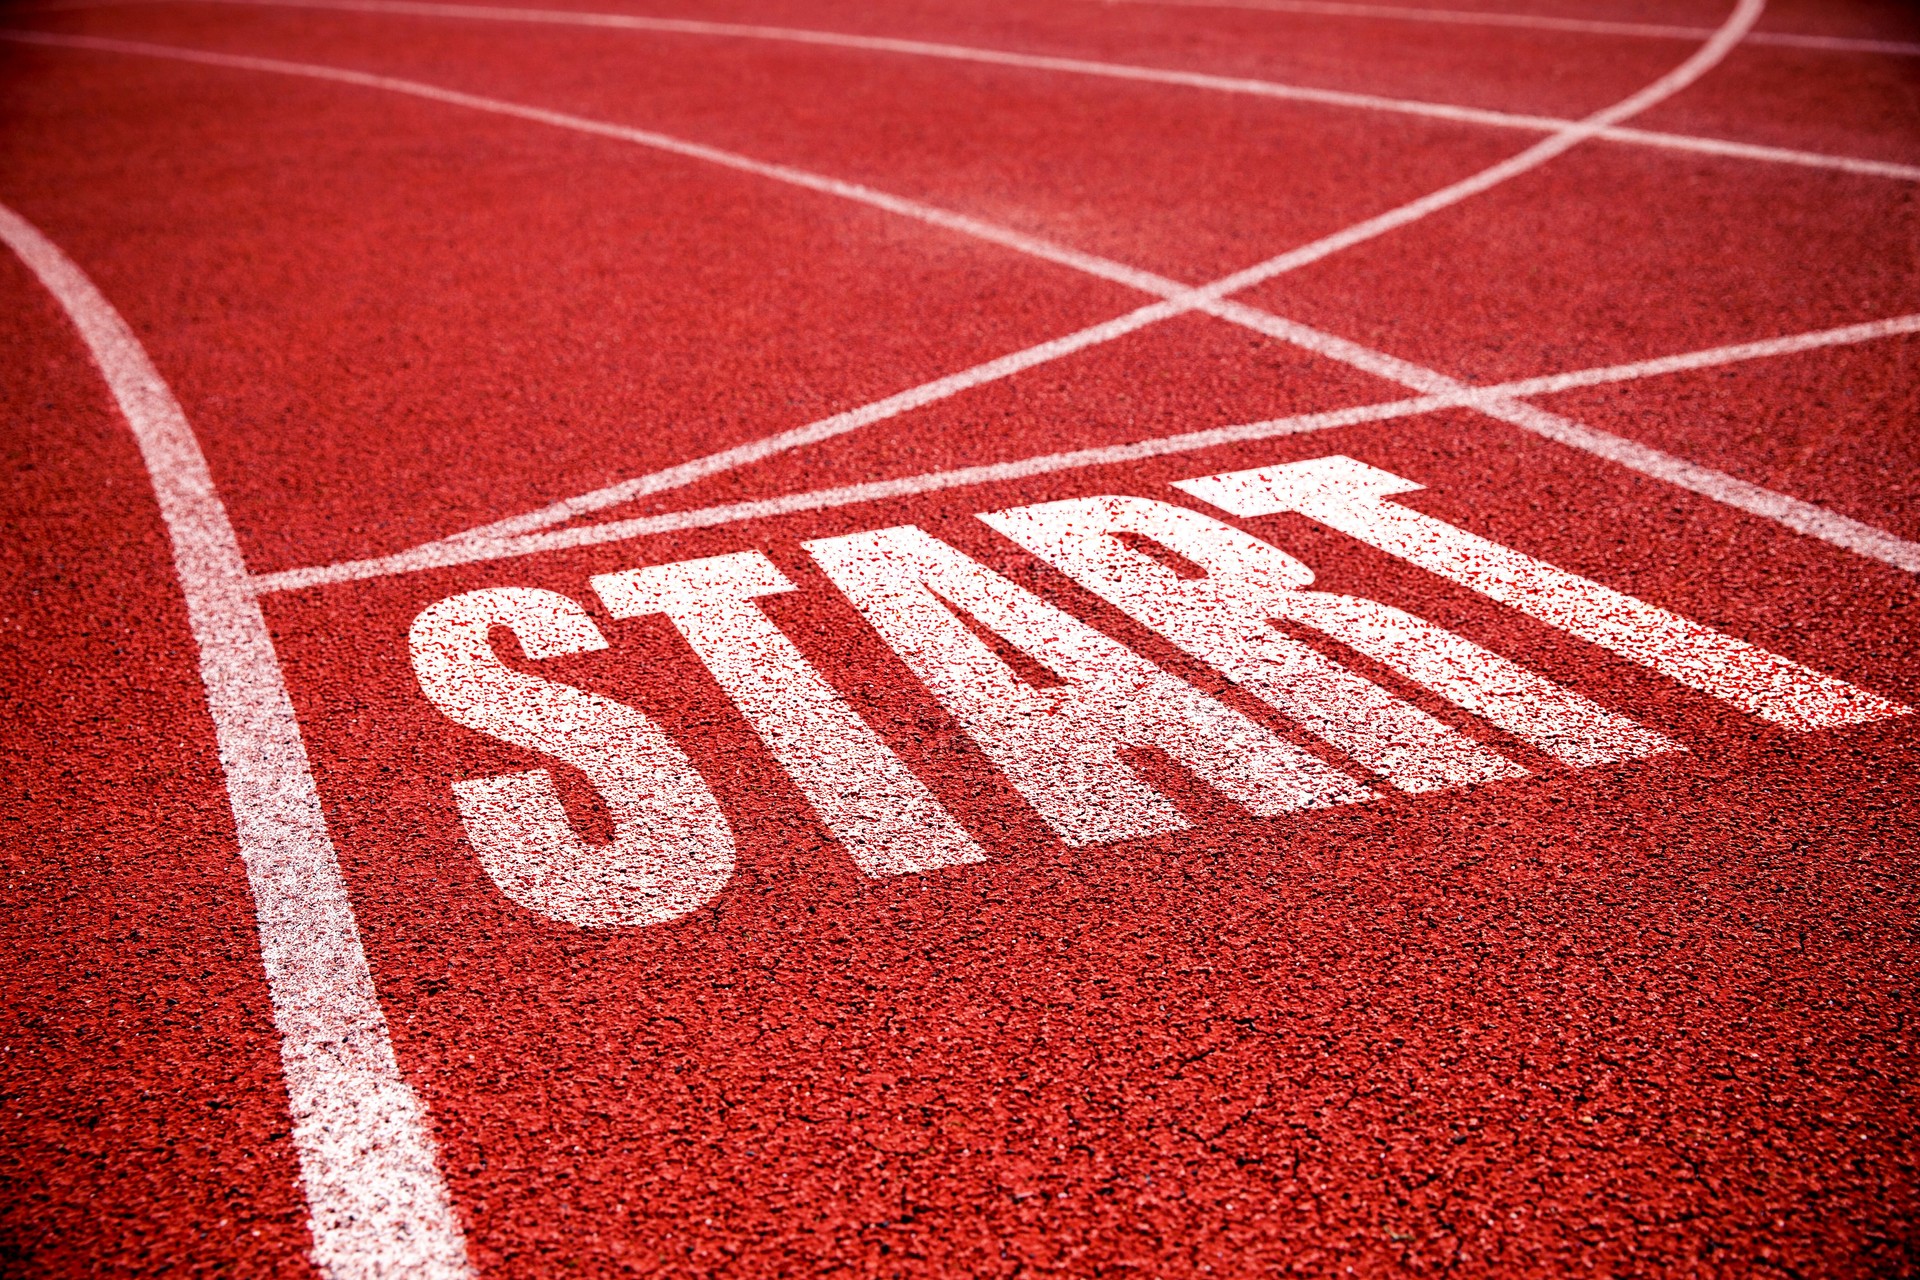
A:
(1798, 515)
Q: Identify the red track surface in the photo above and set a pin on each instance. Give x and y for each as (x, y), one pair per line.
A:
(1645, 1018)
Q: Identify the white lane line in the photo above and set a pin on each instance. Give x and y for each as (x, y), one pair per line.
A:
(1802, 517)
(711, 464)
(1838, 44)
(1031, 246)
(1538, 22)
(378, 1204)
(1756, 151)
(1703, 60)
(447, 554)
(1114, 71)
(636, 22)
(687, 473)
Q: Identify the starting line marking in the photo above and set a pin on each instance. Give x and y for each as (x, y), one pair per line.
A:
(1058, 745)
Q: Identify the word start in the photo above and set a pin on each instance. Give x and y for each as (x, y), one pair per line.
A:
(1059, 746)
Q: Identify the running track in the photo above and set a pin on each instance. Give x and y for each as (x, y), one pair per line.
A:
(1535, 896)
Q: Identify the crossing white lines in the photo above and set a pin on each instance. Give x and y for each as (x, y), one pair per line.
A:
(1211, 299)
(1176, 298)
(1898, 552)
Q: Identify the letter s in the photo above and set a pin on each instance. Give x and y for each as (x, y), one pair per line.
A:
(672, 850)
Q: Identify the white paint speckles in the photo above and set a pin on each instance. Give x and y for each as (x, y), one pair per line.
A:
(1059, 745)
(886, 818)
(379, 1207)
(1351, 497)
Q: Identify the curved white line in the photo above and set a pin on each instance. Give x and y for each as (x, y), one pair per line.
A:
(379, 1207)
(1704, 59)
(1113, 71)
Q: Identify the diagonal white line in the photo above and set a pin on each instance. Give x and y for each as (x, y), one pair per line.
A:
(711, 464)
(446, 554)
(1755, 151)
(1537, 22)
(1712, 357)
(379, 1206)
(1802, 517)
(1893, 550)
(1837, 44)
(1031, 246)
(1111, 70)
